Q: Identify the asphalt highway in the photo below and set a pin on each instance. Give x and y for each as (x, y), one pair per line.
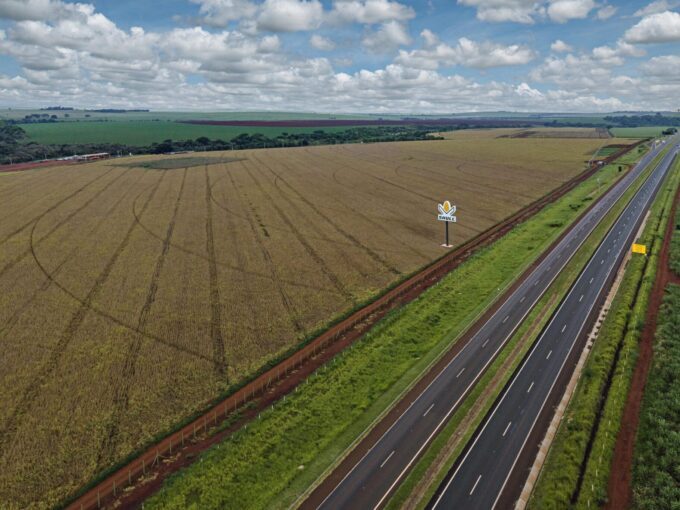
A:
(479, 479)
(373, 479)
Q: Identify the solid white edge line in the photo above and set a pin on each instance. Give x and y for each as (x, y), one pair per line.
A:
(534, 347)
(570, 349)
(607, 196)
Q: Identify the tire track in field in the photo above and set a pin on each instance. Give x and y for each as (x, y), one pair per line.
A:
(293, 315)
(370, 220)
(300, 213)
(48, 282)
(243, 218)
(225, 264)
(478, 214)
(358, 244)
(121, 394)
(60, 224)
(67, 335)
(309, 249)
(215, 302)
(105, 314)
(52, 208)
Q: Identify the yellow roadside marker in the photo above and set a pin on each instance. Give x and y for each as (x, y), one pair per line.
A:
(640, 248)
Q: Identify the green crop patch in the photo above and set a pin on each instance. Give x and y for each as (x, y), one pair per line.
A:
(175, 163)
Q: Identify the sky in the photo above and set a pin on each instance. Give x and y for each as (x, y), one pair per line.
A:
(354, 56)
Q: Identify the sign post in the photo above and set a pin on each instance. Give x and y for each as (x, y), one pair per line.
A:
(446, 214)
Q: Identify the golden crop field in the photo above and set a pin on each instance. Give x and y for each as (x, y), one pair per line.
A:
(132, 296)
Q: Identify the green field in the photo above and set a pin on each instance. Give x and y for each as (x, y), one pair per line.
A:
(277, 457)
(638, 132)
(657, 449)
(144, 132)
(75, 115)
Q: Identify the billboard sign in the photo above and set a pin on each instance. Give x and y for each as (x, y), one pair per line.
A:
(446, 212)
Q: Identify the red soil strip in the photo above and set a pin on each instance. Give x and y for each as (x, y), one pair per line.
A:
(131, 484)
(310, 123)
(619, 492)
(17, 167)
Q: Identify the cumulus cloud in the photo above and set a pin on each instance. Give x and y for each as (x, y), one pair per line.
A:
(664, 66)
(606, 12)
(321, 43)
(518, 11)
(466, 53)
(655, 28)
(290, 15)
(562, 11)
(369, 12)
(387, 38)
(656, 7)
(529, 11)
(218, 13)
(560, 46)
(73, 55)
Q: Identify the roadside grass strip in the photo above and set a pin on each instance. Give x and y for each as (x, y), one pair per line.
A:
(277, 457)
(576, 471)
(674, 255)
(656, 480)
(421, 477)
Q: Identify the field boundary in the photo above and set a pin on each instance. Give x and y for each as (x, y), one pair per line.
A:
(281, 376)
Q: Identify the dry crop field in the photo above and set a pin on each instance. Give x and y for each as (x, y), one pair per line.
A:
(130, 295)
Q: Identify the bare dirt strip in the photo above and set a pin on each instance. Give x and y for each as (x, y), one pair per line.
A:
(619, 492)
(131, 484)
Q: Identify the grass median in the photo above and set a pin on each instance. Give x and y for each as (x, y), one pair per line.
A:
(272, 461)
(584, 443)
(421, 484)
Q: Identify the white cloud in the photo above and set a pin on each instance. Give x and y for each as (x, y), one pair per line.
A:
(387, 38)
(560, 46)
(369, 12)
(606, 12)
(36, 10)
(218, 13)
(73, 55)
(518, 11)
(664, 66)
(429, 37)
(321, 43)
(562, 11)
(656, 7)
(655, 28)
(529, 11)
(466, 53)
(290, 15)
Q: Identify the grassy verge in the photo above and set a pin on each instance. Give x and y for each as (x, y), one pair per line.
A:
(272, 461)
(674, 256)
(656, 480)
(600, 396)
(460, 428)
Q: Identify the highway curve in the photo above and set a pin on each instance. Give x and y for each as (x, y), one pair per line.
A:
(373, 479)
